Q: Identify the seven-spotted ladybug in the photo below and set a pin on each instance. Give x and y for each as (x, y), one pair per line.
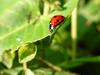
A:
(55, 21)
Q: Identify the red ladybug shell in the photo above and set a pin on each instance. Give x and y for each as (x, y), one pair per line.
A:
(56, 20)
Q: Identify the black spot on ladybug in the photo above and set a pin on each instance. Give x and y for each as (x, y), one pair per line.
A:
(57, 20)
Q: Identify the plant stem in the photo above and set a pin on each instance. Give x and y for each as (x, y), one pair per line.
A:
(52, 66)
(46, 7)
(74, 32)
(25, 66)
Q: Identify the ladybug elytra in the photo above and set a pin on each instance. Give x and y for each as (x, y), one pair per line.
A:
(55, 21)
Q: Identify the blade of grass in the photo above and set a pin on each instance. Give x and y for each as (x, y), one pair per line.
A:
(74, 32)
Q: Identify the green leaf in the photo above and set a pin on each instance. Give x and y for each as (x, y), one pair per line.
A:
(14, 26)
(43, 71)
(65, 73)
(70, 5)
(26, 72)
(13, 71)
(81, 61)
(46, 71)
(27, 52)
(7, 58)
(29, 72)
(91, 11)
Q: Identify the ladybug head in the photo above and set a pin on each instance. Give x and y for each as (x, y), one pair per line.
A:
(52, 28)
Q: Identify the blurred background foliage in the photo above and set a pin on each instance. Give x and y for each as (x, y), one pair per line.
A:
(27, 21)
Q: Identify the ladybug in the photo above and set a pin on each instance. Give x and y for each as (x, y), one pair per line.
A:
(55, 22)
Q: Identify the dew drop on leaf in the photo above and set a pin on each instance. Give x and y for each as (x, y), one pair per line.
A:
(18, 39)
